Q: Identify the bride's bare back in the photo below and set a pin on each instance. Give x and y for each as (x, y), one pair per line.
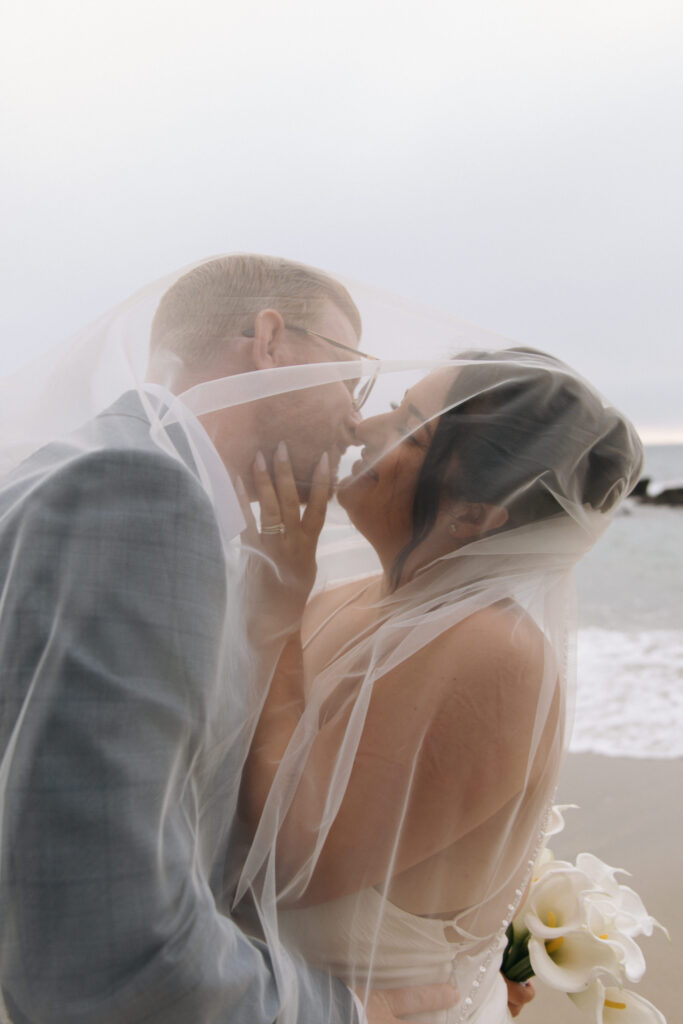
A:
(458, 714)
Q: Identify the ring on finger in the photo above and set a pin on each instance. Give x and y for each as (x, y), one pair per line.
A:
(270, 531)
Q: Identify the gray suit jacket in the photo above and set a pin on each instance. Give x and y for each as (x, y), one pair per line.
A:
(112, 598)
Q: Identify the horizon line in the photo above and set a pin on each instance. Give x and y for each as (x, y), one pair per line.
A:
(661, 435)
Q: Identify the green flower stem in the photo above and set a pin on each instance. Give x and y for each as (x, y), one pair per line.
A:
(516, 965)
(519, 971)
(515, 950)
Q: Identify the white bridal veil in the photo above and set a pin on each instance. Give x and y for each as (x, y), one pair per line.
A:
(391, 840)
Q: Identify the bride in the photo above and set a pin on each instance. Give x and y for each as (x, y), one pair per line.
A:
(409, 745)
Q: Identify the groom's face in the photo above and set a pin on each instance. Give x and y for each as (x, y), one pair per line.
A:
(317, 419)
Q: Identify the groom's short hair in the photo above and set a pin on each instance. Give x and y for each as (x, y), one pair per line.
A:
(219, 299)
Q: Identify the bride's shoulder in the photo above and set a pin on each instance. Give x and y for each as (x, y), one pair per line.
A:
(328, 600)
(493, 643)
(506, 622)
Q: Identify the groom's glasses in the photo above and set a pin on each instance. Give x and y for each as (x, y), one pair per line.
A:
(364, 391)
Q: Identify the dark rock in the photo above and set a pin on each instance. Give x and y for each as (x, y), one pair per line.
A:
(669, 496)
(640, 490)
(650, 493)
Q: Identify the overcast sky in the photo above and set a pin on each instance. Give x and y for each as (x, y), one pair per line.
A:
(516, 163)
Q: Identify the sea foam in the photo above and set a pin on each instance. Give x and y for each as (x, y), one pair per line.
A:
(630, 693)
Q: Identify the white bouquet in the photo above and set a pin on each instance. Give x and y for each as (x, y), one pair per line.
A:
(576, 931)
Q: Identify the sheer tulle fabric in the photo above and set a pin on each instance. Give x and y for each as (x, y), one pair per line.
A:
(398, 832)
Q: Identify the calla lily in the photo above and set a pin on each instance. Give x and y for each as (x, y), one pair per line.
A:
(602, 923)
(576, 931)
(549, 864)
(601, 874)
(616, 1006)
(573, 960)
(556, 819)
(545, 862)
(519, 929)
(545, 858)
(631, 916)
(555, 905)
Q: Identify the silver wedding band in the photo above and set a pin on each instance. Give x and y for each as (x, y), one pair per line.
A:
(269, 531)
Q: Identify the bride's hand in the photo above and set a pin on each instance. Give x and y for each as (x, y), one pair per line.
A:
(519, 994)
(287, 542)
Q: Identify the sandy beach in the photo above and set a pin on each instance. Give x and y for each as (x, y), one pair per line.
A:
(630, 816)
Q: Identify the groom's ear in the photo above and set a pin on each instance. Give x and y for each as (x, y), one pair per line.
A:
(269, 330)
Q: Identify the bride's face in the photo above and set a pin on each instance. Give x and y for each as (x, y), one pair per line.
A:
(378, 495)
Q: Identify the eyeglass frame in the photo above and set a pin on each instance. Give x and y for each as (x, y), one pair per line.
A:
(366, 388)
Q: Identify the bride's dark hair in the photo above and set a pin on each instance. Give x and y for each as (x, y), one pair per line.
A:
(522, 431)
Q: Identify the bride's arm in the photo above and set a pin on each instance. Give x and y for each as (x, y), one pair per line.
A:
(280, 579)
(285, 702)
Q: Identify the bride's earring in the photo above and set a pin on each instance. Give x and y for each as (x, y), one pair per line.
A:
(453, 528)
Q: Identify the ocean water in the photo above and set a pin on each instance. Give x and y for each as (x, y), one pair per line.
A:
(630, 646)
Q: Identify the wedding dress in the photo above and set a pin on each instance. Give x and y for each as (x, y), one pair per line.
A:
(344, 936)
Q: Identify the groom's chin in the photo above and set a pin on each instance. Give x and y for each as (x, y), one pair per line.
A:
(303, 488)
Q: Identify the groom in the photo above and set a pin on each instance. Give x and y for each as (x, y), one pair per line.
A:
(113, 597)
